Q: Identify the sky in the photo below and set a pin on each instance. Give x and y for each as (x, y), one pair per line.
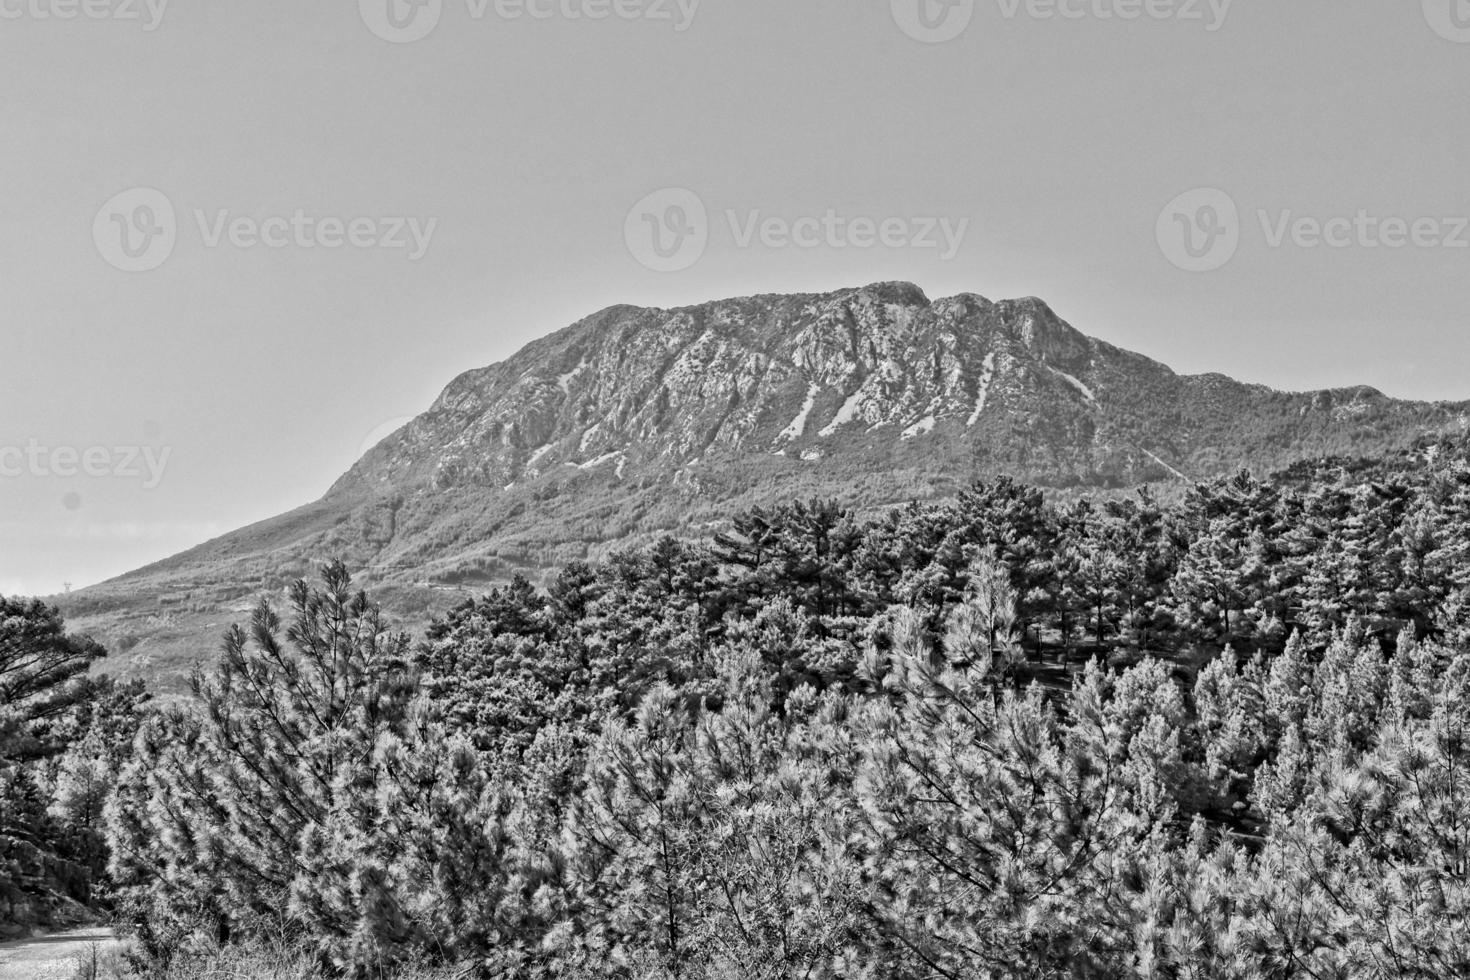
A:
(241, 241)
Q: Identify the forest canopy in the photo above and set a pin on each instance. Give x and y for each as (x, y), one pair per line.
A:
(1224, 736)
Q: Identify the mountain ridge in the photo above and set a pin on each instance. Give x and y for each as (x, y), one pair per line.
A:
(1026, 325)
(634, 422)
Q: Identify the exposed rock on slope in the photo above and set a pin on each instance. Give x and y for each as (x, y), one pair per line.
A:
(635, 422)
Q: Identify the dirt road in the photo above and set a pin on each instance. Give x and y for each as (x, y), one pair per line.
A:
(52, 957)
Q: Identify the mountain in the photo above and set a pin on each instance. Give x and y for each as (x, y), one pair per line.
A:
(637, 422)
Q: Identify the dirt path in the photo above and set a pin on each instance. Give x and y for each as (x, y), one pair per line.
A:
(51, 957)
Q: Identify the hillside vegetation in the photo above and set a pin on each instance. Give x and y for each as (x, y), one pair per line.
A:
(993, 737)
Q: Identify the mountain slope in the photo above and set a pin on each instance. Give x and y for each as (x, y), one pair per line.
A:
(635, 422)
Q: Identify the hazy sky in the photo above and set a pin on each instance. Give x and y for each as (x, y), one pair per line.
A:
(142, 412)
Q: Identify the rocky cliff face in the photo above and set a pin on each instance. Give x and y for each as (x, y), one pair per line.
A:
(637, 392)
(636, 422)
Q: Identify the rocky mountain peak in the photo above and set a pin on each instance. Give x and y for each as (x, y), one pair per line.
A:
(632, 395)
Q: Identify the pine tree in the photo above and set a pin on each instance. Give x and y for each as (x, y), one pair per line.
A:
(1230, 707)
(47, 853)
(271, 817)
(974, 819)
(42, 678)
(637, 839)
